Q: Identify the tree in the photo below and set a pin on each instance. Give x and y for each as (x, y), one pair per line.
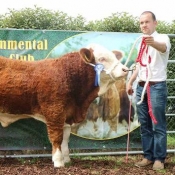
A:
(38, 18)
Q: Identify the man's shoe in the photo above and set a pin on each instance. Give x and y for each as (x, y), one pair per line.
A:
(158, 165)
(143, 163)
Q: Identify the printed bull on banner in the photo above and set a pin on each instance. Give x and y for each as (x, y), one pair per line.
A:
(108, 115)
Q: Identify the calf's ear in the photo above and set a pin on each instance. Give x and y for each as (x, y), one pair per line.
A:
(87, 55)
(119, 54)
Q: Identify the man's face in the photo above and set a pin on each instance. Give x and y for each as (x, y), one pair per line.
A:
(147, 24)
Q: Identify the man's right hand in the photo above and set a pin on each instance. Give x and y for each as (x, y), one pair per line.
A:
(129, 89)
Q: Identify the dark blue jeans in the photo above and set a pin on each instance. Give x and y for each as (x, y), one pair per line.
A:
(153, 136)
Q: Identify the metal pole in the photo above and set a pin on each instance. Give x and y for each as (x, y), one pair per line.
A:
(79, 154)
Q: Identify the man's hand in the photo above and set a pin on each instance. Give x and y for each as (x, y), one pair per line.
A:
(129, 89)
(149, 40)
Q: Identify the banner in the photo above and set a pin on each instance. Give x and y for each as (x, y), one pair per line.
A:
(109, 118)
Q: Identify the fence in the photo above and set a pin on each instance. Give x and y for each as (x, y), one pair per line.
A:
(170, 112)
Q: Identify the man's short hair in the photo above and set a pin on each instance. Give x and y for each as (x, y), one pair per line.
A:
(152, 14)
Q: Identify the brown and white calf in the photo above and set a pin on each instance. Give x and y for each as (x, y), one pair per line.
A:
(57, 92)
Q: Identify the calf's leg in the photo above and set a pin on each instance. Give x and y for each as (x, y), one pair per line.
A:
(55, 134)
(64, 145)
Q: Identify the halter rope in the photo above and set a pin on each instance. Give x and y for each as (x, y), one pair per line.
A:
(144, 48)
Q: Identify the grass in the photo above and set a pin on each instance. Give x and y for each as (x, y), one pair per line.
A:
(24, 161)
(97, 165)
(170, 142)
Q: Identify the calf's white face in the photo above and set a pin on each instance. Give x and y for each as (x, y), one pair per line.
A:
(113, 68)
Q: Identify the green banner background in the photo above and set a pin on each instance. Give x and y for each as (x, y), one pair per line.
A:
(32, 134)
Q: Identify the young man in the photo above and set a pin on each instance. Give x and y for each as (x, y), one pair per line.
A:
(153, 135)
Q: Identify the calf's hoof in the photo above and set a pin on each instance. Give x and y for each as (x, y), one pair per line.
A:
(58, 164)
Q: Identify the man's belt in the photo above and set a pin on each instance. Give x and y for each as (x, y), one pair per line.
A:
(151, 83)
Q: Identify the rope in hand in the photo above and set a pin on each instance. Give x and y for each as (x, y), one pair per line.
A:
(144, 47)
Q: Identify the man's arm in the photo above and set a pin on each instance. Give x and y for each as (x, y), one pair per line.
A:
(160, 46)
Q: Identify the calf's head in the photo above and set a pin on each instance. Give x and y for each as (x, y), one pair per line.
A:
(113, 69)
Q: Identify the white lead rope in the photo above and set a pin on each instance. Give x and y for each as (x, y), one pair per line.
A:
(132, 49)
